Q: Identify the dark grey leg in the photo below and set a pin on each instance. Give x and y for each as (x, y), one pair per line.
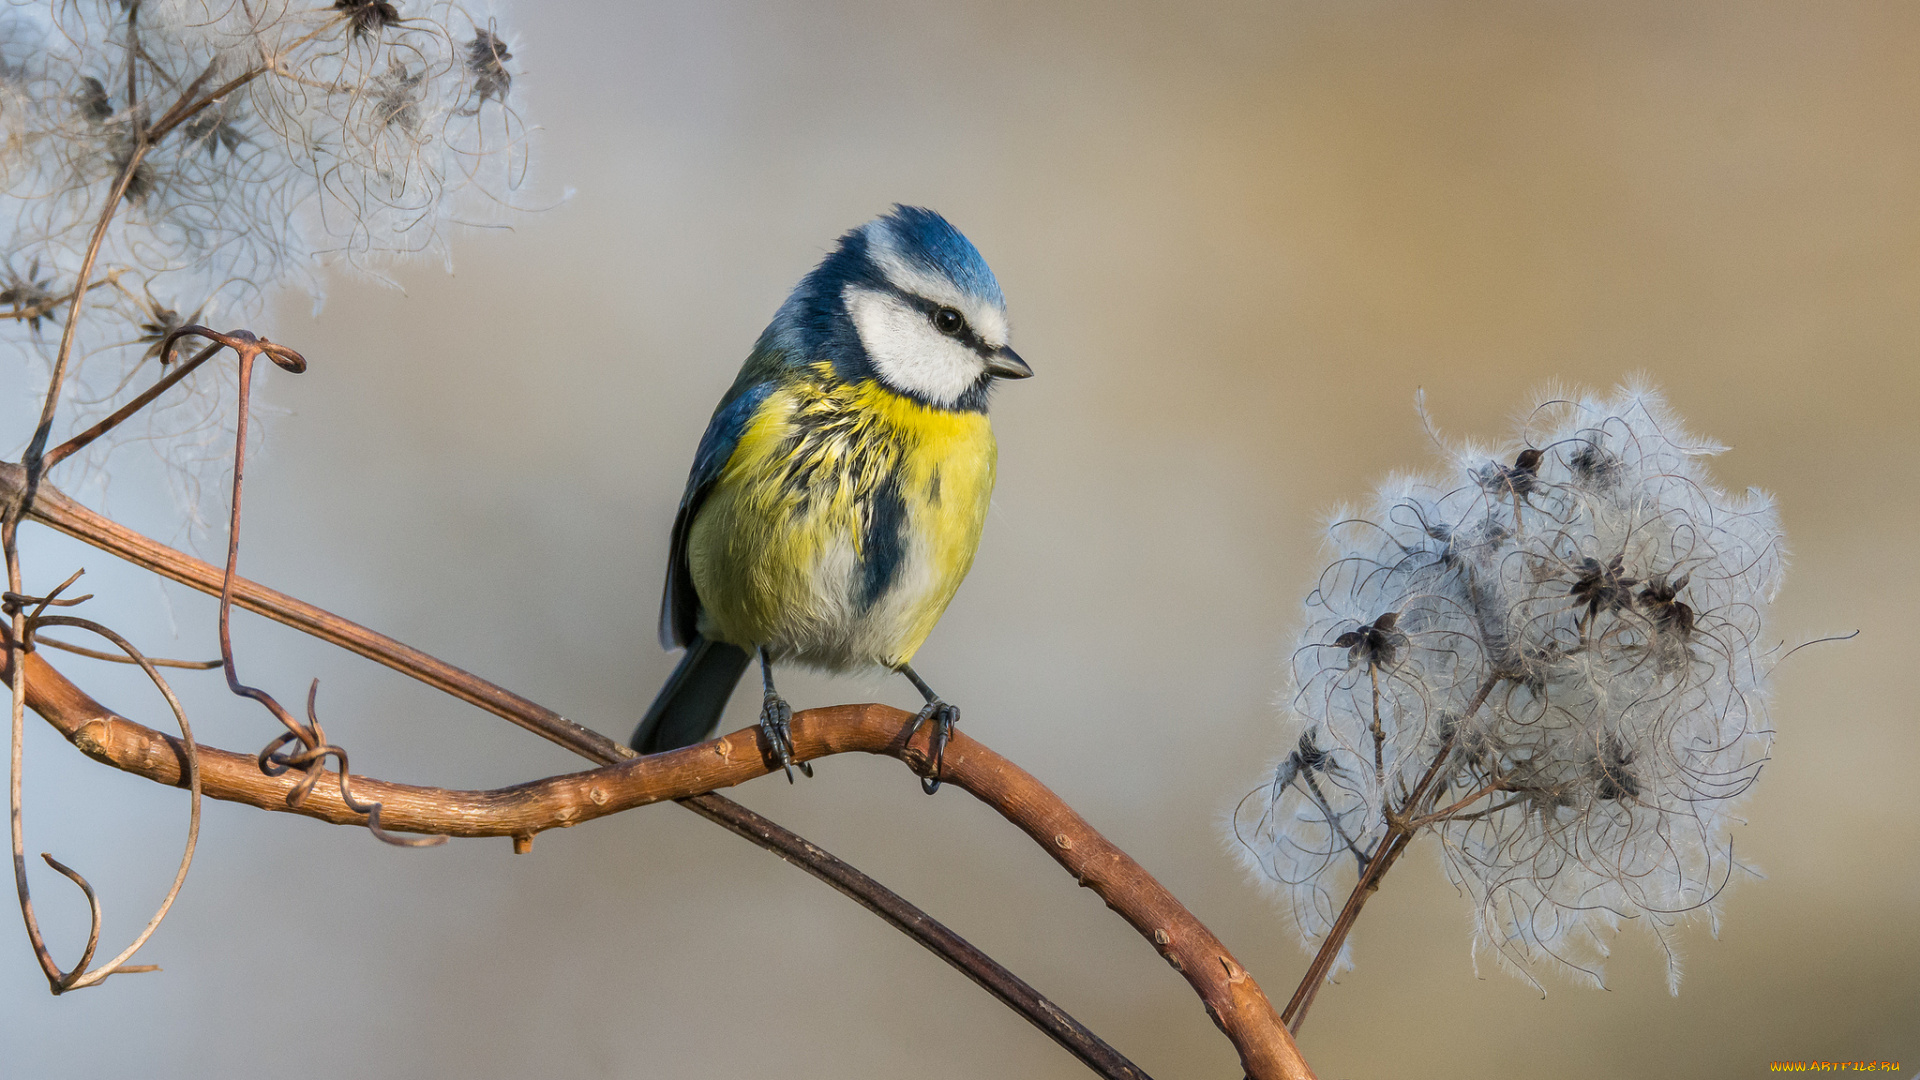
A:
(776, 719)
(943, 716)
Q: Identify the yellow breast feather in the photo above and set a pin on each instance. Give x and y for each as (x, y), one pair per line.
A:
(842, 524)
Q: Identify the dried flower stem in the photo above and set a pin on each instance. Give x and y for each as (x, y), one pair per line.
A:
(1401, 828)
(1379, 732)
(186, 108)
(32, 458)
(45, 307)
(60, 453)
(116, 658)
(1448, 812)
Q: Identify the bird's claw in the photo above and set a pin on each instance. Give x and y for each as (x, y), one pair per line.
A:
(943, 716)
(776, 719)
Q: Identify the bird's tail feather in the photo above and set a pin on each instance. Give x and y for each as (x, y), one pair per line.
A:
(689, 705)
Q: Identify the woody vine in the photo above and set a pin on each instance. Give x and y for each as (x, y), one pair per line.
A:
(1550, 656)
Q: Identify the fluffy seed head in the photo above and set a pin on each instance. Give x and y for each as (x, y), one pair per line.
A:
(350, 134)
(1576, 623)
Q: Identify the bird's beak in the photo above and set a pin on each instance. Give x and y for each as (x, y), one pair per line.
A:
(1004, 363)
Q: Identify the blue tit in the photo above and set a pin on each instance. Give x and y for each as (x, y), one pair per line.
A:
(837, 497)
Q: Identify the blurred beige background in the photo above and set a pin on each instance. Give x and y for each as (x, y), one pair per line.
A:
(1235, 240)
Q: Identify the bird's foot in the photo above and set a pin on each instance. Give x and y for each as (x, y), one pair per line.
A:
(943, 716)
(776, 719)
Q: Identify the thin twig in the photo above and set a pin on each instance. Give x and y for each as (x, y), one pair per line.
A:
(186, 108)
(1491, 810)
(1379, 732)
(145, 138)
(44, 307)
(312, 737)
(987, 973)
(116, 658)
(44, 427)
(66, 449)
(1399, 834)
(133, 69)
(1447, 812)
(80, 977)
(15, 649)
(60, 512)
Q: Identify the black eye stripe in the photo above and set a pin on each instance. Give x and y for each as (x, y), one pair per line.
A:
(932, 308)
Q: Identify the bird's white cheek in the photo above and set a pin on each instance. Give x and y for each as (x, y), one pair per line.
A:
(908, 352)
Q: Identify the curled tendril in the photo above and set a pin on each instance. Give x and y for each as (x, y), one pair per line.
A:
(312, 760)
(242, 342)
(80, 976)
(315, 749)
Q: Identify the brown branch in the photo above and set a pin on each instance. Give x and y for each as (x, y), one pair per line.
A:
(57, 511)
(135, 748)
(1231, 997)
(1230, 994)
(965, 958)
(132, 747)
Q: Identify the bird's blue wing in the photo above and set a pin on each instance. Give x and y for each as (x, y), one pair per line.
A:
(680, 605)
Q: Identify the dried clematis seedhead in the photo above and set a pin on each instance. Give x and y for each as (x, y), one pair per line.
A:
(1375, 644)
(1575, 673)
(1518, 479)
(1602, 587)
(91, 100)
(274, 140)
(29, 296)
(366, 17)
(162, 322)
(217, 127)
(397, 97)
(487, 58)
(1613, 772)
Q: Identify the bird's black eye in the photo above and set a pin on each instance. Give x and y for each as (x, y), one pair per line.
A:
(948, 321)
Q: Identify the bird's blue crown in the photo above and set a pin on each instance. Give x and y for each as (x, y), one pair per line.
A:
(918, 237)
(928, 242)
(911, 243)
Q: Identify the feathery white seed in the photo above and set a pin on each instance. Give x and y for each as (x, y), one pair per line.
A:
(373, 127)
(1611, 598)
